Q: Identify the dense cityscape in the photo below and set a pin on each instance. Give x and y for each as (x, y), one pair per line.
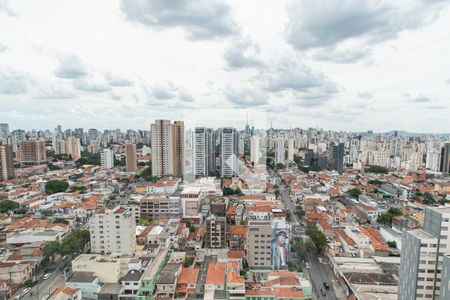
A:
(223, 213)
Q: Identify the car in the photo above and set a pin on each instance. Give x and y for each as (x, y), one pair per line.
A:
(323, 292)
(307, 265)
(47, 276)
(18, 297)
(326, 285)
(26, 291)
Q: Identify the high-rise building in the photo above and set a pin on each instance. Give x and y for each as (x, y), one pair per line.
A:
(279, 151)
(130, 157)
(291, 149)
(178, 148)
(6, 162)
(4, 132)
(167, 142)
(32, 152)
(337, 157)
(216, 224)
(445, 158)
(259, 244)
(204, 152)
(229, 152)
(255, 149)
(433, 160)
(113, 231)
(107, 159)
(73, 147)
(423, 257)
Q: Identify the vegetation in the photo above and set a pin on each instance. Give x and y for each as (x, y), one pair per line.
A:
(227, 191)
(355, 192)
(376, 182)
(146, 174)
(56, 186)
(279, 166)
(78, 189)
(88, 158)
(317, 237)
(428, 199)
(377, 169)
(300, 212)
(188, 262)
(73, 243)
(60, 220)
(387, 217)
(392, 244)
(270, 163)
(145, 222)
(7, 205)
(52, 167)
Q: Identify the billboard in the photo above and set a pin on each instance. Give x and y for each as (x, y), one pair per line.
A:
(280, 248)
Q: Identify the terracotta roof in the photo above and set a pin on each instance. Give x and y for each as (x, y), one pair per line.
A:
(236, 254)
(238, 230)
(288, 293)
(188, 276)
(216, 273)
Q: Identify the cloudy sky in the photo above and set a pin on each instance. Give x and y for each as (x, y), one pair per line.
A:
(336, 64)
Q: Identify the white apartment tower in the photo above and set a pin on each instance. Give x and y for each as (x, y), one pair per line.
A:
(255, 149)
(280, 153)
(113, 231)
(229, 152)
(204, 152)
(424, 256)
(107, 159)
(291, 149)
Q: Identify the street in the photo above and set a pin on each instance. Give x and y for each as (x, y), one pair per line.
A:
(318, 272)
(44, 287)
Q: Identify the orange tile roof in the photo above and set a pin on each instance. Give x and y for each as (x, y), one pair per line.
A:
(238, 230)
(216, 273)
(231, 210)
(288, 293)
(188, 276)
(236, 254)
(261, 292)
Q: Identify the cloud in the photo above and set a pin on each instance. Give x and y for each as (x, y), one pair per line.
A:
(4, 8)
(242, 53)
(420, 99)
(436, 106)
(292, 75)
(164, 92)
(118, 80)
(91, 84)
(202, 20)
(246, 96)
(365, 95)
(13, 82)
(341, 55)
(70, 67)
(330, 23)
(56, 92)
(186, 96)
(3, 48)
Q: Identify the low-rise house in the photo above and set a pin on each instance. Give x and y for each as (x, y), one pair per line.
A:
(86, 282)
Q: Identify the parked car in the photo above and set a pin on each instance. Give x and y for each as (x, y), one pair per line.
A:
(26, 291)
(326, 285)
(323, 292)
(18, 297)
(307, 265)
(47, 276)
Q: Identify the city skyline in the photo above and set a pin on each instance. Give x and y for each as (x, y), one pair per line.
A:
(147, 61)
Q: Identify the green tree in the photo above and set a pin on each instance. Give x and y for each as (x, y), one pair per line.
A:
(428, 199)
(376, 182)
(60, 220)
(355, 192)
(377, 170)
(279, 166)
(7, 205)
(88, 158)
(51, 249)
(188, 262)
(388, 216)
(392, 244)
(56, 186)
(317, 237)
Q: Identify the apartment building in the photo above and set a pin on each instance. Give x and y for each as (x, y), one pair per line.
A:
(32, 152)
(422, 257)
(113, 231)
(259, 244)
(156, 207)
(279, 151)
(167, 142)
(229, 152)
(131, 157)
(6, 162)
(73, 147)
(107, 159)
(204, 152)
(216, 225)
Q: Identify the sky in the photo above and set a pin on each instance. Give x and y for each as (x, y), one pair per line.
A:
(335, 64)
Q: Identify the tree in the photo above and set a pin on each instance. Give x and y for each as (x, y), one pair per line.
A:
(144, 222)
(317, 237)
(392, 244)
(277, 193)
(428, 199)
(376, 182)
(88, 158)
(7, 205)
(279, 166)
(51, 249)
(188, 262)
(388, 216)
(60, 220)
(300, 211)
(146, 174)
(354, 192)
(56, 186)
(377, 170)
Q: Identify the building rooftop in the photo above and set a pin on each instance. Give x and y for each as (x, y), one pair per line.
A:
(82, 277)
